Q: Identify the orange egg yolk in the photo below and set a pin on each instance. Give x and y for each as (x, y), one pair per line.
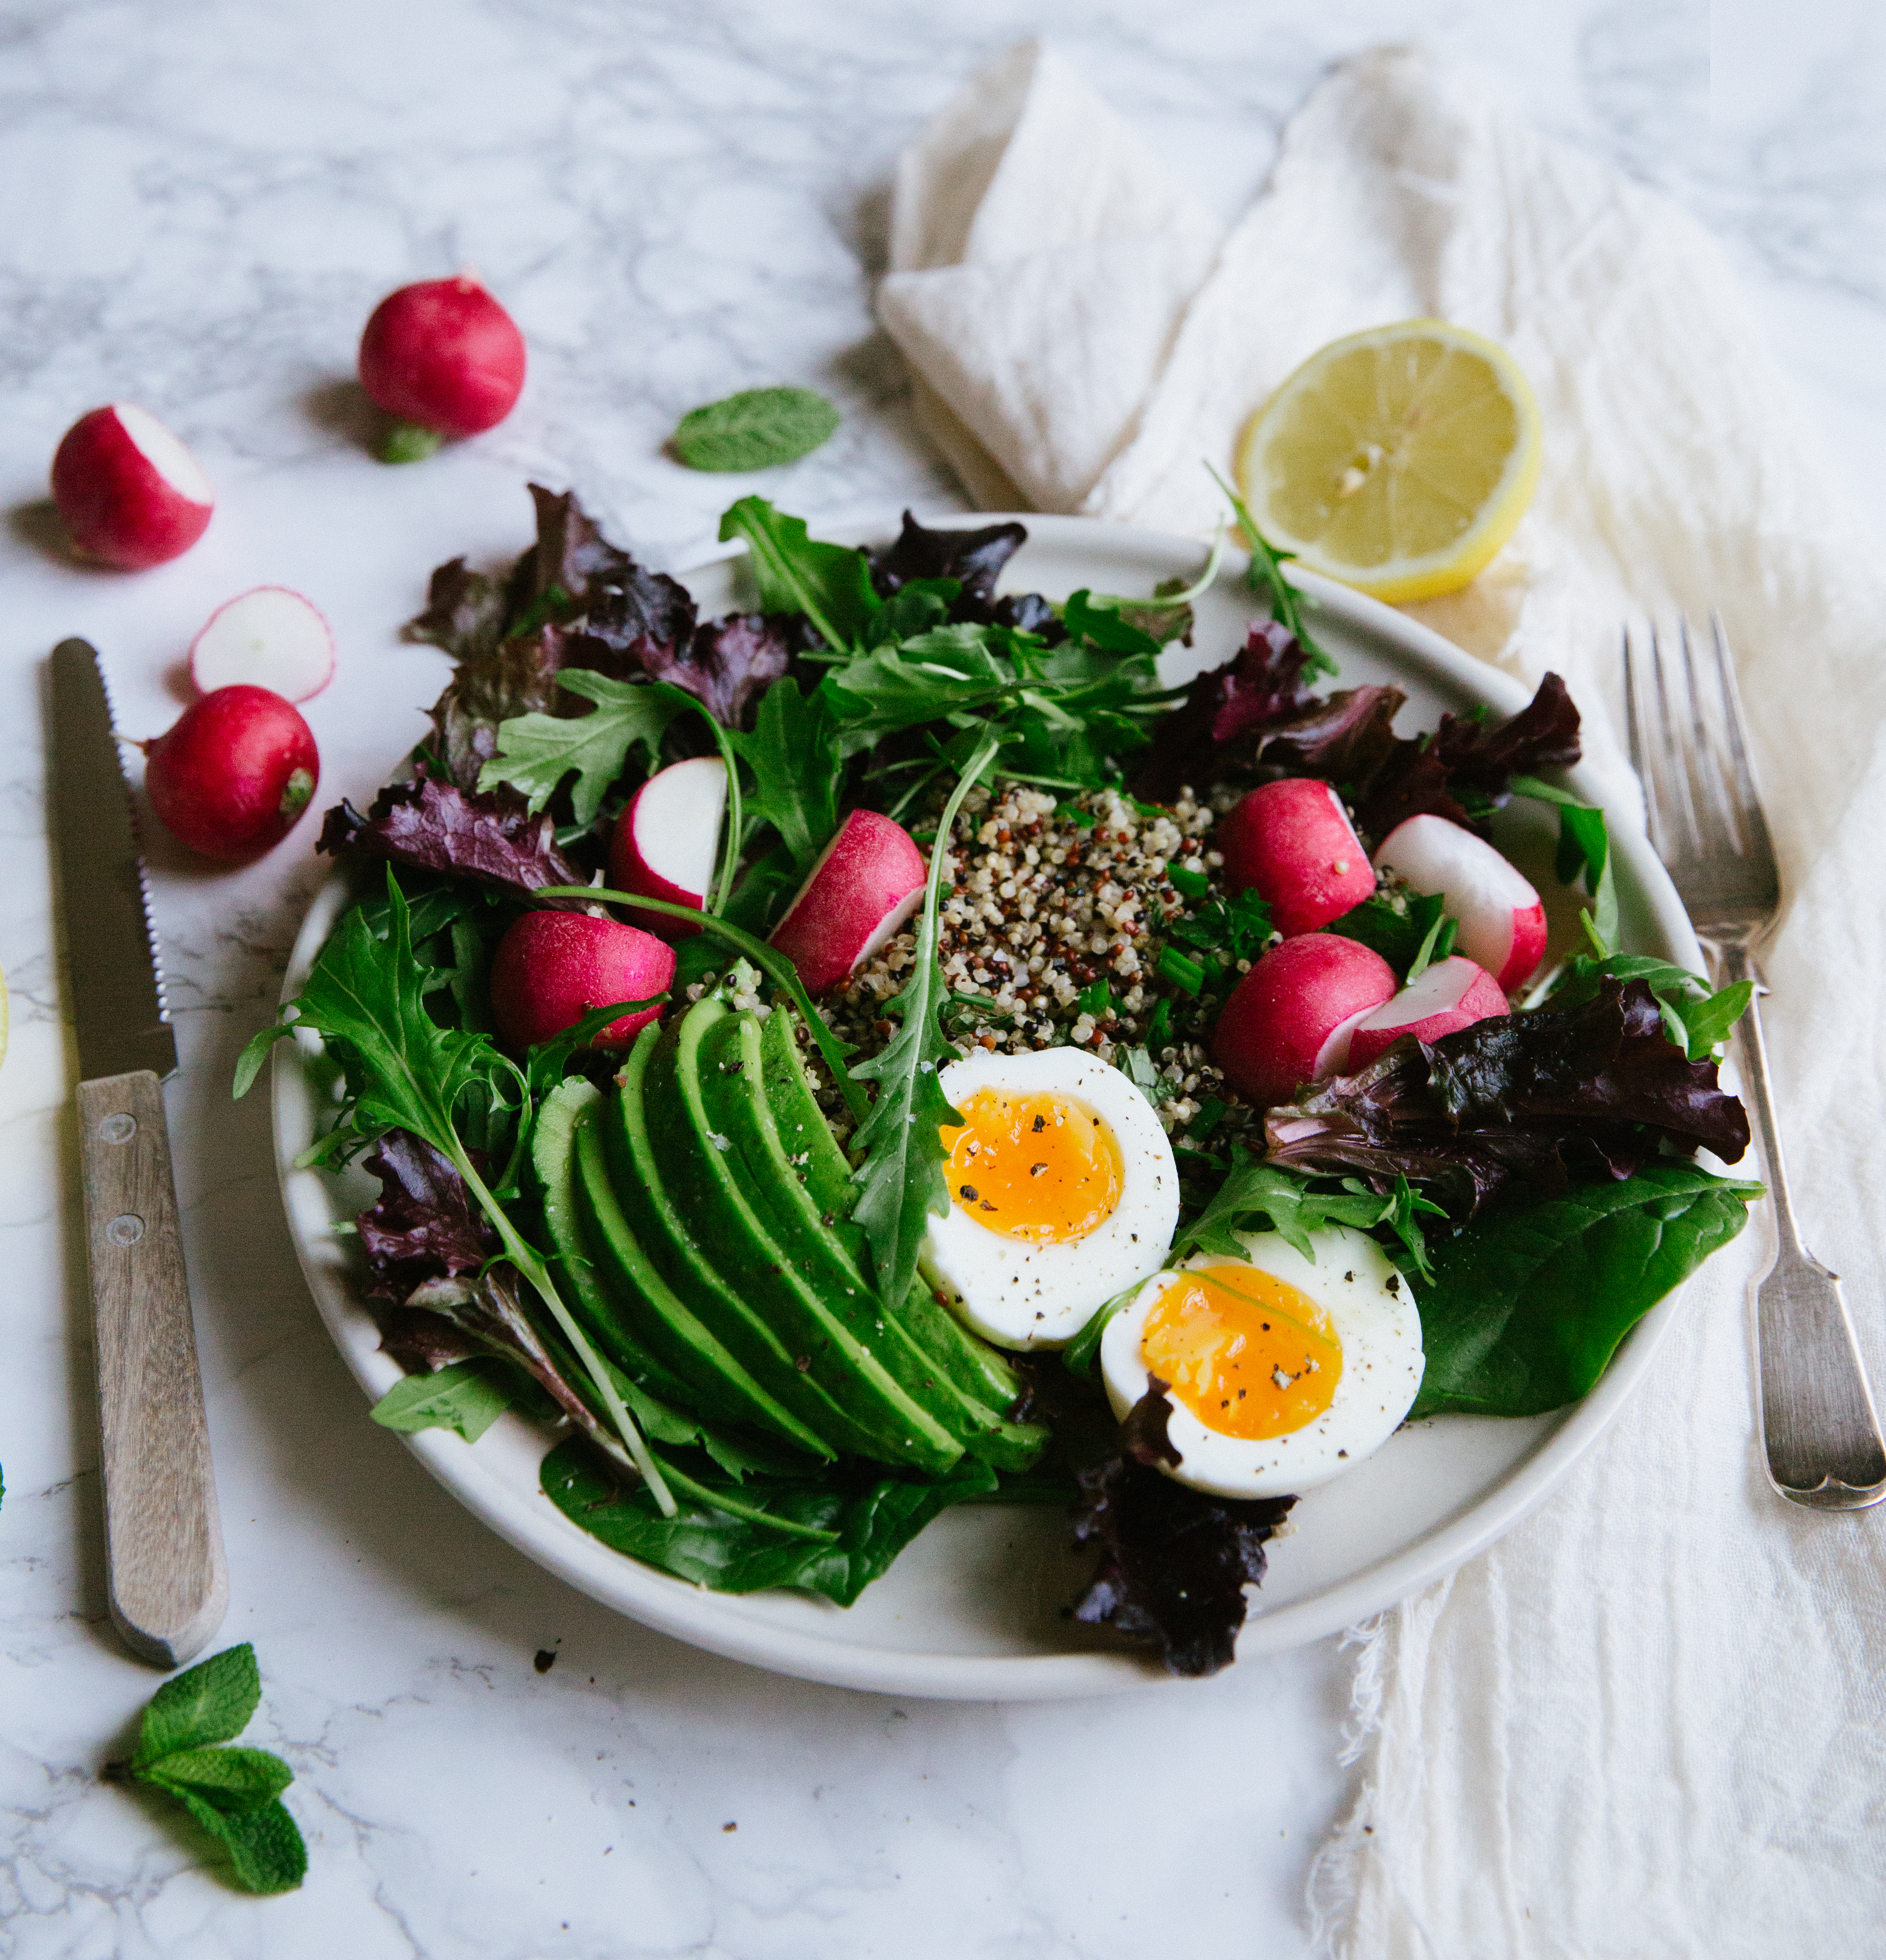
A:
(1251, 1356)
(1036, 1167)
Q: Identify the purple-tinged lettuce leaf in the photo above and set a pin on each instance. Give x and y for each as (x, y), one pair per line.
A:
(727, 664)
(1206, 736)
(1144, 1433)
(434, 826)
(425, 1225)
(576, 568)
(1174, 1562)
(1514, 1098)
(974, 559)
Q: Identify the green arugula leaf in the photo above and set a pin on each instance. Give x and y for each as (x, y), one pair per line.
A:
(1525, 1311)
(1707, 1023)
(830, 583)
(233, 1793)
(794, 761)
(757, 429)
(918, 606)
(1584, 857)
(536, 751)
(1266, 578)
(1078, 1353)
(1698, 1021)
(1106, 627)
(211, 1702)
(1255, 1190)
(468, 1396)
(1404, 927)
(901, 1180)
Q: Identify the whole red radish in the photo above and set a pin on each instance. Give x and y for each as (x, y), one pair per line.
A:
(1452, 994)
(1502, 922)
(130, 491)
(233, 774)
(551, 969)
(269, 638)
(667, 843)
(1291, 1019)
(1293, 843)
(868, 882)
(441, 356)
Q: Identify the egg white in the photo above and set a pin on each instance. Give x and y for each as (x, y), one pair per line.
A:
(1019, 1293)
(1374, 1317)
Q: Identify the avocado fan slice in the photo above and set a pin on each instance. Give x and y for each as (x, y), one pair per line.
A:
(971, 1363)
(620, 1206)
(734, 1095)
(729, 1236)
(553, 1157)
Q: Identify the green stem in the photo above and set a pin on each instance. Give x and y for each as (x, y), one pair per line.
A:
(736, 839)
(717, 1500)
(774, 964)
(524, 1257)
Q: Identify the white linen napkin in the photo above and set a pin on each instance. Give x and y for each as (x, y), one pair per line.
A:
(1652, 1719)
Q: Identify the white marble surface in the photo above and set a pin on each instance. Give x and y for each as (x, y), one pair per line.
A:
(198, 203)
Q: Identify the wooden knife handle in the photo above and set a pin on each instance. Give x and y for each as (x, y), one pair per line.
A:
(163, 1540)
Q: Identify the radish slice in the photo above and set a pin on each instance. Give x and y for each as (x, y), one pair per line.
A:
(128, 491)
(866, 884)
(1447, 998)
(1292, 842)
(1502, 922)
(269, 638)
(667, 844)
(1291, 1018)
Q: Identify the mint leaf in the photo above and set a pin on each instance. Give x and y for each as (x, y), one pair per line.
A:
(264, 1847)
(211, 1702)
(536, 751)
(232, 1780)
(830, 583)
(901, 1181)
(757, 429)
(468, 1396)
(795, 766)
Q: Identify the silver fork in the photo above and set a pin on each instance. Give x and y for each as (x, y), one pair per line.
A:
(1820, 1433)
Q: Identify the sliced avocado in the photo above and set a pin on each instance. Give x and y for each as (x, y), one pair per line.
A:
(619, 1208)
(729, 1237)
(974, 1367)
(553, 1158)
(733, 1094)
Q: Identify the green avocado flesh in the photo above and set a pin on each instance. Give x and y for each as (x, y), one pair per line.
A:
(698, 1218)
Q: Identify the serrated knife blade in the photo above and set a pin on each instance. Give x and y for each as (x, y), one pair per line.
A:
(117, 978)
(163, 1540)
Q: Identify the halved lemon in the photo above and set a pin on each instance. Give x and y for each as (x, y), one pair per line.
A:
(1396, 460)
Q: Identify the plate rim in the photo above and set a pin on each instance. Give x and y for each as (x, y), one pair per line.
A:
(702, 1619)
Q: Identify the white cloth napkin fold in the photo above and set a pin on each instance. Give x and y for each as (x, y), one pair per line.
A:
(1652, 1720)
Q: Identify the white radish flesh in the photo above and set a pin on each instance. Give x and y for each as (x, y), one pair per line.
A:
(1502, 922)
(1291, 1019)
(667, 844)
(268, 638)
(1450, 996)
(130, 493)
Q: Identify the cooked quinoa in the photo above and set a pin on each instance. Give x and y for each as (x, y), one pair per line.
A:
(1047, 897)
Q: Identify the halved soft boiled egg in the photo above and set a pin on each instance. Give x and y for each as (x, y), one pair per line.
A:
(1063, 1192)
(1282, 1372)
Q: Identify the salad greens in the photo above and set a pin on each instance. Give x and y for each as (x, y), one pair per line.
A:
(233, 1793)
(1532, 1174)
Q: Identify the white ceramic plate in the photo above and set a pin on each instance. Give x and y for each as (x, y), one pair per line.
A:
(974, 1609)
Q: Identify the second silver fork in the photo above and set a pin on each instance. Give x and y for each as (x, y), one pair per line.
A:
(1820, 1433)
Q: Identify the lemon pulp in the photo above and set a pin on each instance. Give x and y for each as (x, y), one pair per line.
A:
(1396, 460)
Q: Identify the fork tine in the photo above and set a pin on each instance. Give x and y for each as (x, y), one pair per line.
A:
(1671, 768)
(1633, 734)
(1705, 757)
(1754, 823)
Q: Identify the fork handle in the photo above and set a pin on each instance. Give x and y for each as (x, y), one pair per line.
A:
(1821, 1436)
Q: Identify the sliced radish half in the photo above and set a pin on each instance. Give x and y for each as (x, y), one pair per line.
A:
(1502, 922)
(1449, 996)
(130, 491)
(1291, 1018)
(269, 638)
(667, 844)
(868, 882)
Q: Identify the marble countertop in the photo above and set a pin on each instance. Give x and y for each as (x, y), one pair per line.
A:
(200, 202)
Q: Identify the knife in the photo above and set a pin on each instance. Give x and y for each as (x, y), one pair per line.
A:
(169, 1586)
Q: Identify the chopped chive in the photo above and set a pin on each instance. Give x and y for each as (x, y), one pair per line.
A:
(1182, 972)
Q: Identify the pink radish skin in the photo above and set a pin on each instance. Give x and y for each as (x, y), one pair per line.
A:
(268, 638)
(868, 882)
(445, 355)
(551, 969)
(1449, 996)
(231, 779)
(1291, 843)
(667, 844)
(1291, 1019)
(1502, 922)
(131, 495)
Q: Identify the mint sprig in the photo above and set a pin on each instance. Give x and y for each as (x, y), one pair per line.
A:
(757, 429)
(235, 1794)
